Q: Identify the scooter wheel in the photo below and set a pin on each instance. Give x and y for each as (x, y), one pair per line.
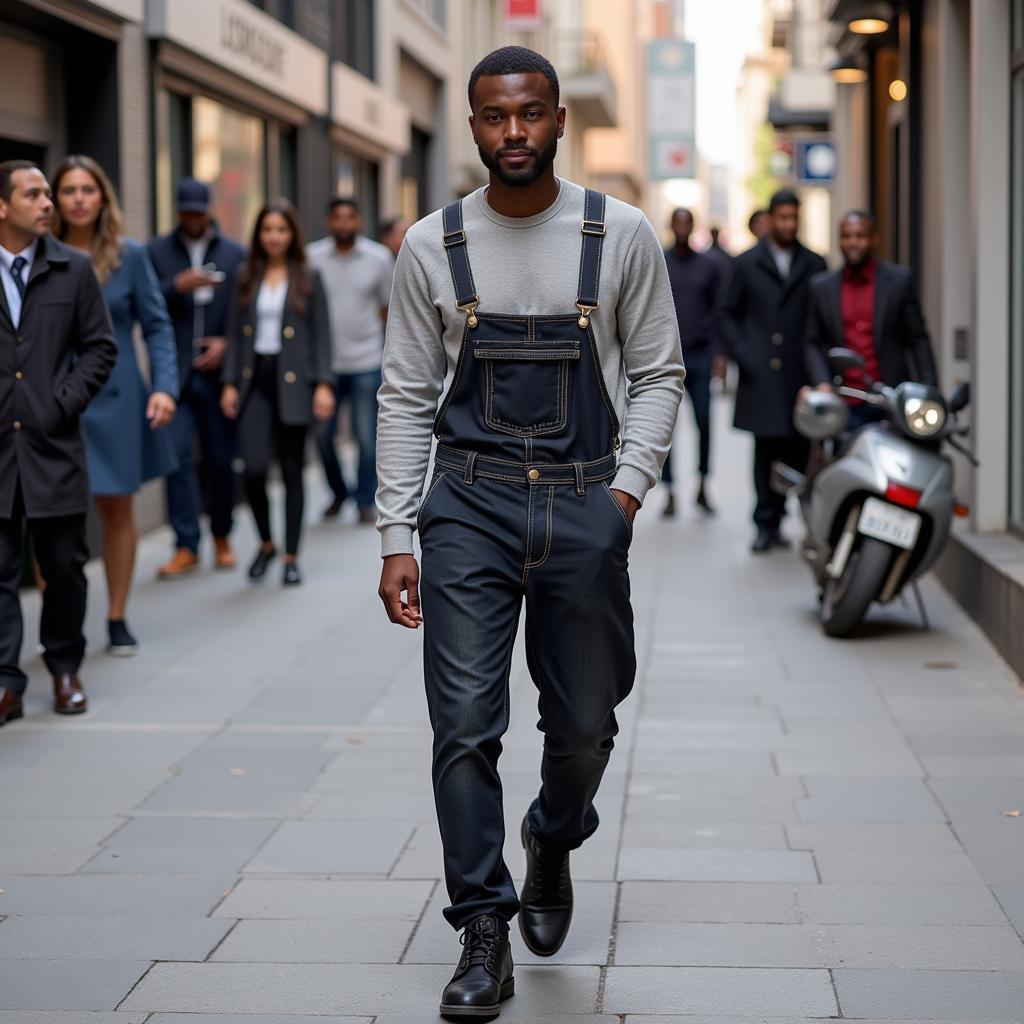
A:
(847, 599)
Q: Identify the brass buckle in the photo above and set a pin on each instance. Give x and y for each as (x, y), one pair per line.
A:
(593, 227)
(585, 311)
(469, 308)
(451, 238)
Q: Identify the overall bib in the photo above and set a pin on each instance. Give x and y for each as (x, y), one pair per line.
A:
(519, 507)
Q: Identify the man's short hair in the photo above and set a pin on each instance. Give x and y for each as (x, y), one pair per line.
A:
(336, 201)
(681, 211)
(865, 215)
(513, 60)
(7, 171)
(784, 197)
(753, 219)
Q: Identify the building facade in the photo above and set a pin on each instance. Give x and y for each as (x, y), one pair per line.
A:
(933, 140)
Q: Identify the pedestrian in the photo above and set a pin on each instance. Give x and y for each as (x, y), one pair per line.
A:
(126, 442)
(764, 319)
(357, 275)
(696, 280)
(759, 224)
(58, 350)
(870, 307)
(277, 374)
(192, 263)
(536, 482)
(392, 234)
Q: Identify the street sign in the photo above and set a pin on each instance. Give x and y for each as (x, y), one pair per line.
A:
(815, 161)
(671, 109)
(523, 15)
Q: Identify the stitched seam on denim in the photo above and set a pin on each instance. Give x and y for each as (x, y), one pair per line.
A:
(529, 537)
(602, 387)
(439, 419)
(618, 507)
(426, 498)
(548, 536)
(550, 427)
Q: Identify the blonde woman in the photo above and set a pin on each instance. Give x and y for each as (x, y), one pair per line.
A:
(125, 440)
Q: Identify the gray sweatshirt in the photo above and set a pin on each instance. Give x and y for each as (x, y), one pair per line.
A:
(526, 265)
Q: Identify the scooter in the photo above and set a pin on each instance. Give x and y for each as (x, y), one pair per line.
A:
(878, 508)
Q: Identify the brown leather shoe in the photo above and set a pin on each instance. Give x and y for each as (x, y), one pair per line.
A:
(184, 561)
(69, 695)
(10, 705)
(224, 557)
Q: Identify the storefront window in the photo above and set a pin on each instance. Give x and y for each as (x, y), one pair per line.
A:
(1017, 277)
(359, 179)
(228, 150)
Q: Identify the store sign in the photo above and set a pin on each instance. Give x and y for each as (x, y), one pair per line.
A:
(235, 36)
(523, 15)
(815, 160)
(671, 109)
(364, 109)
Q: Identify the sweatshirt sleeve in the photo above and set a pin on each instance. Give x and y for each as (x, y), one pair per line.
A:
(652, 361)
(413, 376)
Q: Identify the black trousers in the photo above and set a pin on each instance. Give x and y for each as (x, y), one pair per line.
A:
(487, 546)
(793, 451)
(61, 550)
(698, 387)
(262, 436)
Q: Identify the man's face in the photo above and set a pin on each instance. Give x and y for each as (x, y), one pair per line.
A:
(759, 225)
(192, 223)
(682, 228)
(344, 223)
(30, 207)
(784, 223)
(516, 126)
(856, 240)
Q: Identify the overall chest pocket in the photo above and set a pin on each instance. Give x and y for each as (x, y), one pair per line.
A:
(526, 386)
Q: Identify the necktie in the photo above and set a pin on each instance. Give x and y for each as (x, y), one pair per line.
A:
(17, 266)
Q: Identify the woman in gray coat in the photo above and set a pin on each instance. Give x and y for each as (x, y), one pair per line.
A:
(277, 374)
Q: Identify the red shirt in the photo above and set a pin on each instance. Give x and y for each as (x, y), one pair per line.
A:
(857, 307)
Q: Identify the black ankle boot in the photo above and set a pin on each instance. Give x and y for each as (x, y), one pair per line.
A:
(483, 979)
(546, 899)
(263, 558)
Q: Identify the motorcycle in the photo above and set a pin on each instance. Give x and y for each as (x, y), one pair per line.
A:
(879, 506)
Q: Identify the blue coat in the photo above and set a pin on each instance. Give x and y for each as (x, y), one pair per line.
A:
(122, 452)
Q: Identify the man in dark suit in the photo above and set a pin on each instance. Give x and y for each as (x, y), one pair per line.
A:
(56, 351)
(193, 262)
(870, 307)
(764, 320)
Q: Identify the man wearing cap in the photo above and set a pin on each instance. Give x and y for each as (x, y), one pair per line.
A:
(193, 262)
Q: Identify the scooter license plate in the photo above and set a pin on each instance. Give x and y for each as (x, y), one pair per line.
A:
(887, 522)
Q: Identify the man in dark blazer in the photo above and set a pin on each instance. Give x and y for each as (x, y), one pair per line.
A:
(870, 307)
(56, 351)
(763, 322)
(193, 262)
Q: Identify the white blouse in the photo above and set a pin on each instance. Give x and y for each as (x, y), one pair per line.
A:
(269, 314)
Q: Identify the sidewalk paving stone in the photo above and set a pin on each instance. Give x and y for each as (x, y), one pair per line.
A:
(67, 984)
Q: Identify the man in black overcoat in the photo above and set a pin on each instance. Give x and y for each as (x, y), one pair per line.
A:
(765, 312)
(56, 351)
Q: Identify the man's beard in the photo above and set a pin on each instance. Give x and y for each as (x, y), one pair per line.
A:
(542, 160)
(344, 237)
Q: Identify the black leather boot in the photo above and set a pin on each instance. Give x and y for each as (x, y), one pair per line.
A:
(483, 979)
(546, 898)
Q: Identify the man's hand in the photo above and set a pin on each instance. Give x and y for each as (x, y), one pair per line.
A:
(807, 389)
(189, 280)
(629, 504)
(212, 354)
(229, 401)
(160, 410)
(719, 367)
(323, 402)
(401, 574)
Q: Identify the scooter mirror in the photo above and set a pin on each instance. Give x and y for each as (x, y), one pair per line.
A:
(961, 397)
(843, 359)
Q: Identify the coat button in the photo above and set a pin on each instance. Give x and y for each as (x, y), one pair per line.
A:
(289, 377)
(777, 339)
(775, 364)
(247, 330)
(246, 372)
(17, 424)
(289, 332)
(19, 375)
(534, 474)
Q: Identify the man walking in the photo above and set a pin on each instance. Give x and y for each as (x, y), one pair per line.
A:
(192, 263)
(765, 315)
(696, 280)
(56, 351)
(357, 274)
(552, 305)
(870, 307)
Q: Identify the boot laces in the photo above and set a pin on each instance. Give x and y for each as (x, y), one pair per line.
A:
(480, 941)
(552, 870)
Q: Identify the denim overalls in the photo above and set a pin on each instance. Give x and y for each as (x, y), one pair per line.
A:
(519, 507)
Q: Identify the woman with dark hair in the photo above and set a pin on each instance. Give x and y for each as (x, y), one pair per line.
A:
(125, 443)
(277, 372)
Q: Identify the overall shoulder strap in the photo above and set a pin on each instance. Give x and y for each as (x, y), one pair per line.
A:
(593, 229)
(454, 240)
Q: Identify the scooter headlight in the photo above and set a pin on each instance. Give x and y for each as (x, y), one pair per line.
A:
(924, 416)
